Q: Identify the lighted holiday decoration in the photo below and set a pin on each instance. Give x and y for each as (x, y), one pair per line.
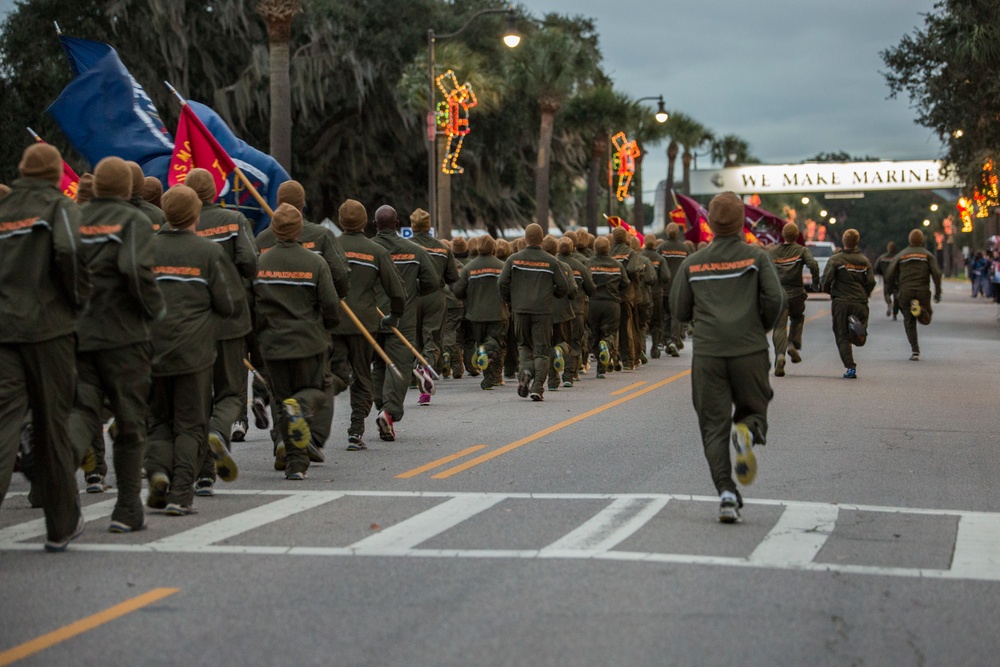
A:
(989, 197)
(964, 207)
(623, 162)
(453, 117)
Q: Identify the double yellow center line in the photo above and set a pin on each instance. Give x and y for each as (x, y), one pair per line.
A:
(471, 463)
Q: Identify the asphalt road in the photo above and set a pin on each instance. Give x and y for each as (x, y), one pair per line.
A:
(578, 531)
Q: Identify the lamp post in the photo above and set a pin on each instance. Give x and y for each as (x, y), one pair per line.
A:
(661, 117)
(661, 111)
(511, 38)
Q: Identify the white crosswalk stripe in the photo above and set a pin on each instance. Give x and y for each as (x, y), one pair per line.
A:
(793, 543)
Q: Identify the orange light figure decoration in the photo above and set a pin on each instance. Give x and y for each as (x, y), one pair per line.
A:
(453, 117)
(626, 153)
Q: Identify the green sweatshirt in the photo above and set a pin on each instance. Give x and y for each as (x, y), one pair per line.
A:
(152, 213)
(199, 286)
(634, 267)
(610, 279)
(43, 278)
(296, 303)
(118, 250)
(849, 276)
(660, 270)
(790, 259)
(321, 241)
(443, 257)
(731, 292)
(562, 306)
(530, 280)
(370, 265)
(582, 279)
(230, 230)
(416, 269)
(675, 252)
(910, 269)
(477, 285)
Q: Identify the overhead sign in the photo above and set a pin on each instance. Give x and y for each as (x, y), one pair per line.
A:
(823, 177)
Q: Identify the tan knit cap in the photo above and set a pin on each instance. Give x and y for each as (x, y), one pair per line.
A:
(726, 214)
(292, 192)
(138, 178)
(673, 229)
(85, 188)
(487, 246)
(602, 246)
(286, 224)
(112, 178)
(152, 190)
(352, 215)
(459, 246)
(533, 234)
(851, 238)
(420, 220)
(202, 182)
(41, 161)
(550, 245)
(181, 206)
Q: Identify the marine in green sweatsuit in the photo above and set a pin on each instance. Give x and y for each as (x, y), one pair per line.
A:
(296, 308)
(529, 282)
(849, 280)
(880, 267)
(432, 308)
(230, 230)
(657, 291)
(907, 277)
(731, 291)
(610, 285)
(790, 259)
(484, 309)
(585, 288)
(674, 252)
(152, 213)
(114, 344)
(419, 277)
(371, 264)
(43, 283)
(562, 315)
(622, 251)
(199, 286)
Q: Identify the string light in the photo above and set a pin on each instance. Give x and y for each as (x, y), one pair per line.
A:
(964, 207)
(990, 197)
(453, 117)
(624, 161)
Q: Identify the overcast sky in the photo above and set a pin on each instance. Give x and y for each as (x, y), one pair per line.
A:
(792, 77)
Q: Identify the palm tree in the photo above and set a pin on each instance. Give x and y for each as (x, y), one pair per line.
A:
(279, 14)
(691, 135)
(549, 67)
(731, 150)
(675, 128)
(593, 114)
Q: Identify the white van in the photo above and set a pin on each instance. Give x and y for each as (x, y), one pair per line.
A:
(821, 251)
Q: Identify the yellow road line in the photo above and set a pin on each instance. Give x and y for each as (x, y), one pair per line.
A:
(552, 429)
(625, 390)
(83, 625)
(817, 316)
(440, 462)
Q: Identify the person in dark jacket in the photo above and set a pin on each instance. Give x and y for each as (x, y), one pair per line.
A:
(529, 282)
(419, 277)
(485, 310)
(610, 284)
(657, 293)
(880, 266)
(576, 328)
(371, 265)
(114, 344)
(296, 308)
(908, 275)
(43, 283)
(153, 213)
(849, 280)
(790, 259)
(199, 286)
(731, 290)
(674, 251)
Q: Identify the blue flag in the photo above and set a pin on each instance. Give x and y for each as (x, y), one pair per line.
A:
(104, 111)
(262, 169)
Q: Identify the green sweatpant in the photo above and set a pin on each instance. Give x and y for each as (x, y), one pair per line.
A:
(353, 354)
(178, 430)
(431, 312)
(120, 375)
(794, 312)
(909, 321)
(229, 377)
(534, 344)
(303, 380)
(493, 337)
(390, 391)
(42, 377)
(840, 310)
(604, 319)
(727, 390)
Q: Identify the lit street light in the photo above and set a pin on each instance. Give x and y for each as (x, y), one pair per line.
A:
(833, 221)
(511, 38)
(661, 111)
(805, 200)
(822, 213)
(927, 223)
(934, 207)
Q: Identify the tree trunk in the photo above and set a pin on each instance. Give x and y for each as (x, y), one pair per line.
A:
(597, 150)
(443, 182)
(686, 162)
(639, 213)
(543, 168)
(671, 159)
(278, 34)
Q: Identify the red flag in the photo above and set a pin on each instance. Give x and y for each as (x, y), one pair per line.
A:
(70, 182)
(196, 147)
(615, 221)
(677, 216)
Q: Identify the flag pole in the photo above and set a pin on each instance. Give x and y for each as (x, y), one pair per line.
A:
(236, 170)
(343, 302)
(35, 136)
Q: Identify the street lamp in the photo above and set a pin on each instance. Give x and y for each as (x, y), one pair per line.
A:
(805, 200)
(511, 38)
(822, 213)
(661, 111)
(934, 207)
